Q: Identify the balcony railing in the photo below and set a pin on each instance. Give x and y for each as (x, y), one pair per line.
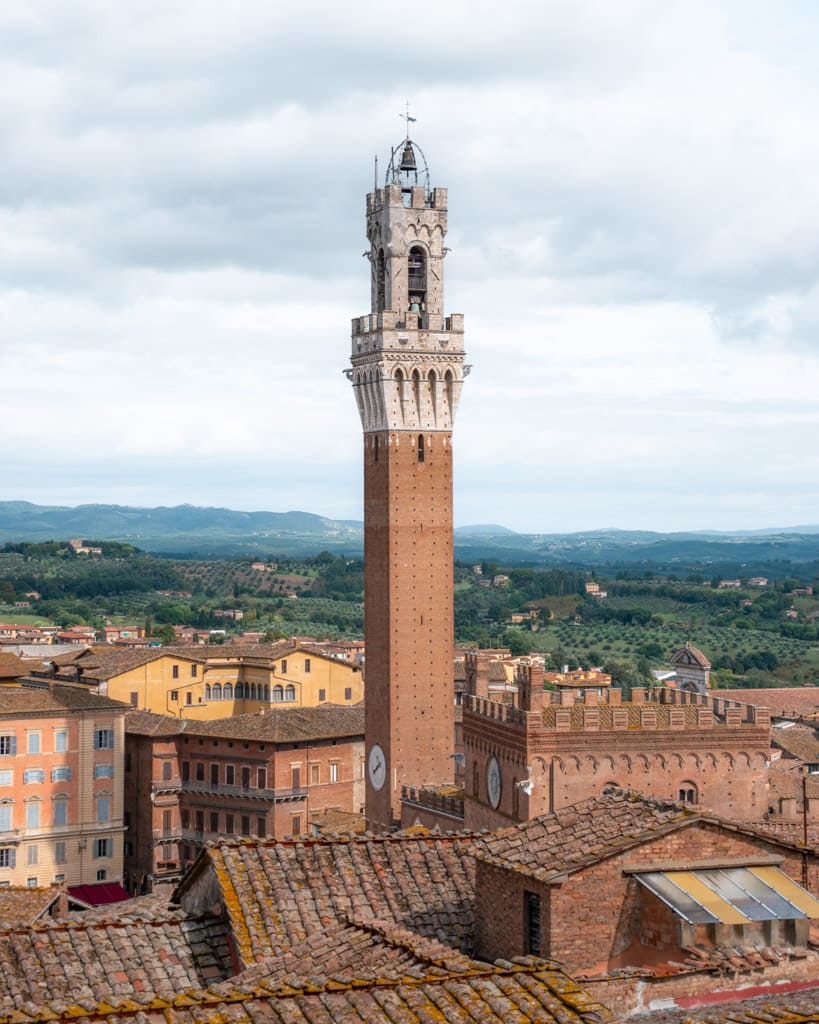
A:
(191, 835)
(222, 789)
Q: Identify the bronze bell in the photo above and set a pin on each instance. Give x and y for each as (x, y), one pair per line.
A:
(408, 158)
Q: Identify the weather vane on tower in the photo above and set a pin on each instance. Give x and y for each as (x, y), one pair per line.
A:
(407, 117)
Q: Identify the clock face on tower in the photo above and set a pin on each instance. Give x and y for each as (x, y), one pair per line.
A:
(377, 766)
(493, 781)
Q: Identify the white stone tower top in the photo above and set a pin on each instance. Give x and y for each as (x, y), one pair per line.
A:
(407, 355)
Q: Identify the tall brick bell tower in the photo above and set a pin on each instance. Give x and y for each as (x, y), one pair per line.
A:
(407, 371)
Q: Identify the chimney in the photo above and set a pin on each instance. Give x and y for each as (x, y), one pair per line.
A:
(529, 679)
(59, 909)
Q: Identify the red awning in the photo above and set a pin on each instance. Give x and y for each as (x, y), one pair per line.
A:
(98, 895)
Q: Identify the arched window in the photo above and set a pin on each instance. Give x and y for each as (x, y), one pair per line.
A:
(228, 694)
(217, 691)
(688, 793)
(417, 283)
(207, 691)
(254, 693)
(290, 692)
(267, 694)
(448, 380)
(420, 447)
(416, 390)
(278, 694)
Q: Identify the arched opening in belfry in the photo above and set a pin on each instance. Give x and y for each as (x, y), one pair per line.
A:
(417, 280)
(449, 391)
(416, 392)
(380, 282)
(433, 393)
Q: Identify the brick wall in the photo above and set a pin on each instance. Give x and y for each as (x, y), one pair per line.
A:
(408, 613)
(185, 790)
(500, 913)
(721, 766)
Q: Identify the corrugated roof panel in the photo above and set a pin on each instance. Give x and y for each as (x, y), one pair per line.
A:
(769, 893)
(788, 889)
(698, 889)
(749, 894)
(673, 896)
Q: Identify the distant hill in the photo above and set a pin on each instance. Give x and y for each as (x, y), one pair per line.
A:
(490, 530)
(189, 530)
(179, 528)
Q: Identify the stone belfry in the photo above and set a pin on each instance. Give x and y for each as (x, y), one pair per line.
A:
(407, 371)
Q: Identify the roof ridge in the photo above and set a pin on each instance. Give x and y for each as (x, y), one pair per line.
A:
(232, 995)
(73, 924)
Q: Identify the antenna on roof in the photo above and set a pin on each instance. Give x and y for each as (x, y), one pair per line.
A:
(375, 174)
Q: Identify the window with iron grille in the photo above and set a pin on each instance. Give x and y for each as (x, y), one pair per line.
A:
(532, 923)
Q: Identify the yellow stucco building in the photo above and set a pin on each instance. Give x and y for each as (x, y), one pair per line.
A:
(206, 683)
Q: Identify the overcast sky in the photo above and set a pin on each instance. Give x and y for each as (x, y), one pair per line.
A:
(634, 226)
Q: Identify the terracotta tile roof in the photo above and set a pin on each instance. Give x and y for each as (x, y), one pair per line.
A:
(333, 822)
(785, 783)
(280, 725)
(147, 723)
(11, 666)
(522, 991)
(785, 1008)
(784, 702)
(277, 892)
(791, 832)
(799, 741)
(576, 836)
(26, 699)
(373, 974)
(737, 958)
(719, 960)
(273, 725)
(104, 664)
(22, 906)
(690, 655)
(602, 826)
(72, 962)
(354, 951)
(153, 907)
